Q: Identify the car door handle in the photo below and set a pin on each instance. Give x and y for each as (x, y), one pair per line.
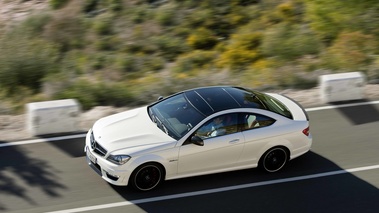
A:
(234, 141)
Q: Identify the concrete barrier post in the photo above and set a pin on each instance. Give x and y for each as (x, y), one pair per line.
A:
(50, 117)
(342, 87)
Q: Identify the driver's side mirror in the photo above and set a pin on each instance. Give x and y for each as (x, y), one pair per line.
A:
(197, 140)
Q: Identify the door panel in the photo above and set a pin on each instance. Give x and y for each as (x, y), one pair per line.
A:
(217, 153)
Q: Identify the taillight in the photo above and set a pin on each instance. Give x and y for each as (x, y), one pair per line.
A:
(306, 131)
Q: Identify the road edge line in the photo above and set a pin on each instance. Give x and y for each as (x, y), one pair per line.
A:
(42, 140)
(223, 189)
(341, 106)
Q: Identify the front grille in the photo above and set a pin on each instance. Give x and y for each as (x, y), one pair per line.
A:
(96, 147)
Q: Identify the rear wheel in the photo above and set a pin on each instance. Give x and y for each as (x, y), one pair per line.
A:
(274, 159)
(146, 177)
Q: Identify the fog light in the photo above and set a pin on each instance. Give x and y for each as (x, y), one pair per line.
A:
(112, 176)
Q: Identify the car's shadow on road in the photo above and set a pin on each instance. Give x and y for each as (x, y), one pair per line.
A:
(360, 114)
(344, 192)
(72, 147)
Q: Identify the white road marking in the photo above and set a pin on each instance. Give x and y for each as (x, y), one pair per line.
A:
(223, 189)
(42, 140)
(341, 106)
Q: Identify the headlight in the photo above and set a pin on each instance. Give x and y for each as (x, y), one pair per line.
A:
(118, 159)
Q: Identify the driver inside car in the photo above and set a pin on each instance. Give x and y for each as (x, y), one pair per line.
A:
(212, 128)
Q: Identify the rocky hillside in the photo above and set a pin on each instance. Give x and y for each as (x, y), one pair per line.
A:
(12, 11)
(125, 53)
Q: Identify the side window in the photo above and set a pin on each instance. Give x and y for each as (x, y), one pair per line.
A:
(220, 125)
(252, 121)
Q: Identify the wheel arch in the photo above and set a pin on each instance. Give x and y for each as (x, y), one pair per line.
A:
(160, 165)
(274, 144)
(262, 157)
(288, 151)
(133, 180)
(153, 159)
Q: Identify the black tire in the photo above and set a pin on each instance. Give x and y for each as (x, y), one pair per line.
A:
(146, 177)
(274, 159)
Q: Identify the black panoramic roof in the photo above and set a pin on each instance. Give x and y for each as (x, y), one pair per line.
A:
(209, 100)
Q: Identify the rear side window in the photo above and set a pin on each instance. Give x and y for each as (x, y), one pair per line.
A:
(253, 121)
(274, 105)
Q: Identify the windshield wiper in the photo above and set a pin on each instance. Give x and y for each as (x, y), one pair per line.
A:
(160, 125)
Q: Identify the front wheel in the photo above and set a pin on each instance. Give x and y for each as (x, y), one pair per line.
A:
(274, 159)
(146, 177)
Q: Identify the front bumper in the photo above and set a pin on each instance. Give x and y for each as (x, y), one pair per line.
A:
(107, 170)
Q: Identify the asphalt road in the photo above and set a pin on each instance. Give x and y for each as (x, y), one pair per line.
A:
(340, 174)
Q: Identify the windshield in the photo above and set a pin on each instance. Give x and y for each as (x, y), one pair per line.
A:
(175, 116)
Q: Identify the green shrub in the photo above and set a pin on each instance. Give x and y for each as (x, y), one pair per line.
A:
(330, 18)
(202, 39)
(116, 94)
(290, 42)
(56, 4)
(139, 46)
(139, 14)
(94, 94)
(83, 92)
(98, 61)
(195, 60)
(115, 5)
(247, 41)
(25, 63)
(166, 15)
(107, 43)
(152, 63)
(198, 18)
(237, 59)
(351, 51)
(128, 63)
(288, 11)
(67, 31)
(243, 50)
(90, 5)
(33, 25)
(239, 16)
(169, 47)
(103, 24)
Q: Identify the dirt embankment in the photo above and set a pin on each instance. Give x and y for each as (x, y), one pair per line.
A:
(13, 127)
(12, 11)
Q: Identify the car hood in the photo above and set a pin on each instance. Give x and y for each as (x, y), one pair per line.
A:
(129, 129)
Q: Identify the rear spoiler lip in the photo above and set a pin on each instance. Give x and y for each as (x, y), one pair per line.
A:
(298, 104)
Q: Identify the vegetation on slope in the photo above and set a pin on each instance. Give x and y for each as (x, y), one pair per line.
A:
(128, 52)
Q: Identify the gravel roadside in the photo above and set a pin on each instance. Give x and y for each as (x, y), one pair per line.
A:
(13, 127)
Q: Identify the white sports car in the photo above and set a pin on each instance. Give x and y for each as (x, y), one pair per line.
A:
(197, 132)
